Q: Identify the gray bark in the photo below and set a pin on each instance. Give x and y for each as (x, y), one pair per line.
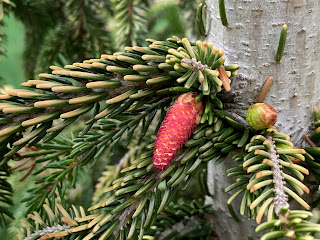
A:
(251, 41)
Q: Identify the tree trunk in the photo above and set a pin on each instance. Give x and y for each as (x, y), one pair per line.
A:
(251, 40)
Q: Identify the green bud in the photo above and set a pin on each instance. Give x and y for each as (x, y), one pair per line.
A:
(261, 115)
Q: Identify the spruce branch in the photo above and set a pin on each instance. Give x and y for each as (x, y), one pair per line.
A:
(182, 219)
(57, 166)
(51, 223)
(111, 172)
(70, 92)
(155, 75)
(313, 152)
(271, 160)
(131, 17)
(39, 18)
(5, 196)
(267, 156)
(84, 28)
(65, 160)
(135, 89)
(62, 31)
(47, 230)
(290, 225)
(281, 198)
(191, 163)
(5, 7)
(136, 188)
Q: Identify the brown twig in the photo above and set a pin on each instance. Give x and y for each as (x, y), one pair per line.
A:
(27, 166)
(308, 140)
(19, 164)
(265, 89)
(29, 172)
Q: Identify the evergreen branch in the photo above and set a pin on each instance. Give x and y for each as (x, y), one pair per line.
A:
(136, 87)
(112, 172)
(141, 172)
(136, 189)
(88, 148)
(70, 92)
(79, 152)
(162, 68)
(39, 18)
(281, 198)
(97, 224)
(266, 156)
(290, 225)
(5, 7)
(185, 220)
(313, 152)
(53, 223)
(54, 155)
(59, 31)
(182, 220)
(84, 28)
(5, 196)
(277, 154)
(131, 20)
(47, 231)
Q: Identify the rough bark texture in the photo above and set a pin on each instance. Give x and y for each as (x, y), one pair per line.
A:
(251, 40)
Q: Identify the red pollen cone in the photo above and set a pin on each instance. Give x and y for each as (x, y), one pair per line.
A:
(181, 119)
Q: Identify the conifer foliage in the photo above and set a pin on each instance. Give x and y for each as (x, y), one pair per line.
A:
(135, 85)
(131, 95)
(5, 6)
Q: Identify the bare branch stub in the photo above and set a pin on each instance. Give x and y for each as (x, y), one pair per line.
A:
(265, 89)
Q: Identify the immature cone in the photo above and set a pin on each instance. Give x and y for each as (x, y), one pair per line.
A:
(176, 128)
(261, 115)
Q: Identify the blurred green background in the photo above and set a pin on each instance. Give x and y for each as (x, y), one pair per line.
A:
(11, 67)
